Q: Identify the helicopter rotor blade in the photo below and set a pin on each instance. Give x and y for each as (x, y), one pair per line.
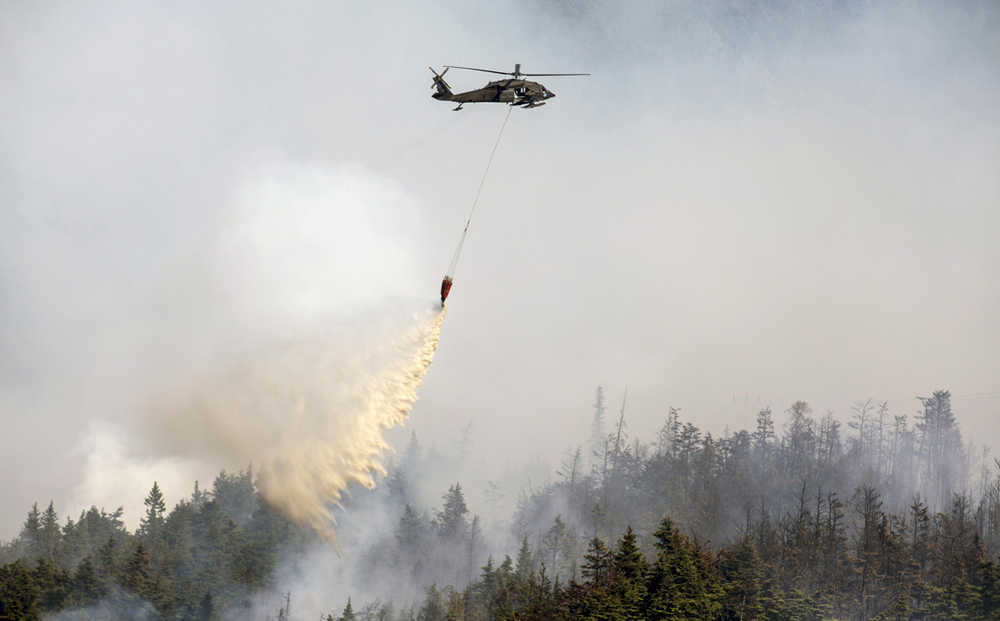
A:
(516, 72)
(478, 69)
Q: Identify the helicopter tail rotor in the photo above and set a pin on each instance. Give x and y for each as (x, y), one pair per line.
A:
(443, 90)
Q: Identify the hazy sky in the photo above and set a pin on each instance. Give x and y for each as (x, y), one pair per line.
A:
(746, 204)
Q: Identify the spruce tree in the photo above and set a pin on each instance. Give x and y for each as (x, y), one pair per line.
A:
(31, 533)
(629, 577)
(51, 534)
(137, 576)
(525, 565)
(410, 532)
(630, 564)
(681, 584)
(86, 586)
(552, 543)
(742, 572)
(107, 561)
(348, 614)
(151, 525)
(597, 563)
(53, 584)
(451, 519)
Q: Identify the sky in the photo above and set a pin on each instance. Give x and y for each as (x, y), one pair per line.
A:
(746, 204)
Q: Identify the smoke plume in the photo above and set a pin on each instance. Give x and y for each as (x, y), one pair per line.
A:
(290, 345)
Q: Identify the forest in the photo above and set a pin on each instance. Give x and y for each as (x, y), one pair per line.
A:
(884, 516)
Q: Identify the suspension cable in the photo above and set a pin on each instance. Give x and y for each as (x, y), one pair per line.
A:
(475, 203)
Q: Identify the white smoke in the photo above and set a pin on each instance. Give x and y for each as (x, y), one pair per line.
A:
(292, 346)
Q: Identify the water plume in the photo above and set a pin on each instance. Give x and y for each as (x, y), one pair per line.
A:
(310, 414)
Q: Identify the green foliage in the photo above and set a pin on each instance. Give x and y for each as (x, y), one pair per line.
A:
(192, 562)
(433, 608)
(451, 519)
(20, 596)
(742, 573)
(682, 584)
(525, 564)
(151, 525)
(86, 586)
(31, 534)
(802, 553)
(348, 614)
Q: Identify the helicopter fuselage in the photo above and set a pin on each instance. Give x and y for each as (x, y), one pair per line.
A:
(512, 91)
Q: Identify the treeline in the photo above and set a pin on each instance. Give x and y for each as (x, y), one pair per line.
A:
(203, 559)
(880, 518)
(678, 578)
(213, 553)
(721, 488)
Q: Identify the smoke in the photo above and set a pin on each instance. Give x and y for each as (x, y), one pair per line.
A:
(291, 344)
(119, 604)
(765, 187)
(310, 415)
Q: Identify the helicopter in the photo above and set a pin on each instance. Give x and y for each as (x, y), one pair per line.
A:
(513, 91)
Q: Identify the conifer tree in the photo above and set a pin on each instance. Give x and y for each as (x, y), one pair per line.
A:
(940, 448)
(136, 577)
(74, 543)
(474, 545)
(451, 519)
(598, 434)
(743, 573)
(629, 576)
(680, 585)
(597, 563)
(348, 614)
(235, 495)
(53, 584)
(87, 587)
(525, 565)
(31, 533)
(198, 497)
(433, 606)
(763, 436)
(107, 559)
(629, 562)
(50, 534)
(552, 543)
(151, 525)
(487, 586)
(410, 533)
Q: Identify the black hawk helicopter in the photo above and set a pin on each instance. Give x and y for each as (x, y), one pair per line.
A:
(513, 91)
